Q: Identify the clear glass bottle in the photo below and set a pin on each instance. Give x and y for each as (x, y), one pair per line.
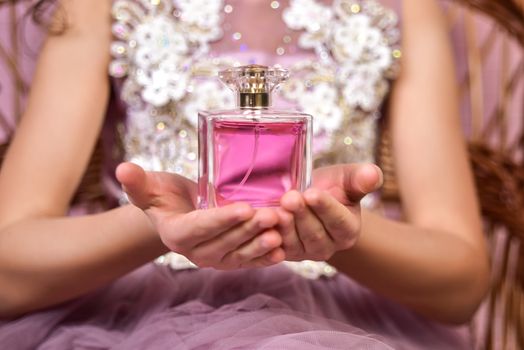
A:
(253, 154)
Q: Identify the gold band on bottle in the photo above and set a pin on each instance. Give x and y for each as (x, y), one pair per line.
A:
(254, 100)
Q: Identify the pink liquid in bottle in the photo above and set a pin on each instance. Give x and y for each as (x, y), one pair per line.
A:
(257, 162)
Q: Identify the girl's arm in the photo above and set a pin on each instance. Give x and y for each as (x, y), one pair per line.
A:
(437, 261)
(44, 257)
(47, 258)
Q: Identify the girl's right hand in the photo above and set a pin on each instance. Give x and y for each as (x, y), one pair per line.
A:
(234, 236)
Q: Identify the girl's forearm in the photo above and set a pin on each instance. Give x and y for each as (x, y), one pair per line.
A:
(433, 272)
(51, 260)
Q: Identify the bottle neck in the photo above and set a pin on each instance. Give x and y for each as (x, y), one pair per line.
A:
(254, 100)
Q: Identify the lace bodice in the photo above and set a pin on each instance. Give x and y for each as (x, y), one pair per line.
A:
(341, 56)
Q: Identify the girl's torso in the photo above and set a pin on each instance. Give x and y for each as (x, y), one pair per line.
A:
(341, 54)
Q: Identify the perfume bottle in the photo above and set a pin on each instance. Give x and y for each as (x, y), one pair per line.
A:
(252, 154)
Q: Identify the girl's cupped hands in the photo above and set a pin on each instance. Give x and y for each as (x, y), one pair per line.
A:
(307, 226)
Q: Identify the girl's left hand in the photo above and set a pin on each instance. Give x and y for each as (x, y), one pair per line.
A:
(326, 218)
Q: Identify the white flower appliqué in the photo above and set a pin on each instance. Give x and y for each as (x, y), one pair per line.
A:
(321, 100)
(312, 17)
(158, 43)
(200, 19)
(207, 95)
(358, 36)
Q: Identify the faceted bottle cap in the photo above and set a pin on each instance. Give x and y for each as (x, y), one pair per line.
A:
(253, 83)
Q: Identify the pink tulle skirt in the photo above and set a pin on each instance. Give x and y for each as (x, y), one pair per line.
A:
(158, 308)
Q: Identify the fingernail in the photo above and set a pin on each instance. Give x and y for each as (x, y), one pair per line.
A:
(265, 244)
(380, 178)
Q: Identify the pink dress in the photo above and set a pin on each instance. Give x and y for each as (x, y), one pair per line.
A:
(342, 56)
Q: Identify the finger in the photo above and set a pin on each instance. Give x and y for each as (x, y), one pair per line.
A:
(360, 180)
(255, 248)
(200, 226)
(134, 182)
(316, 240)
(343, 226)
(275, 256)
(233, 238)
(291, 243)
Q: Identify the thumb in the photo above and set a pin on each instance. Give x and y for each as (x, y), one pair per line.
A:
(360, 180)
(135, 184)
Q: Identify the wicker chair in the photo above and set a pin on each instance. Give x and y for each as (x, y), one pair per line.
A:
(492, 93)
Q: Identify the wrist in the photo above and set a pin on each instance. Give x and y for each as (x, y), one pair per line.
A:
(142, 225)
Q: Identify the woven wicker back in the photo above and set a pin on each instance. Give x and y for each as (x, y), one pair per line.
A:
(491, 77)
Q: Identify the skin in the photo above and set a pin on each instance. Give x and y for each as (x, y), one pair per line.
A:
(325, 222)
(223, 238)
